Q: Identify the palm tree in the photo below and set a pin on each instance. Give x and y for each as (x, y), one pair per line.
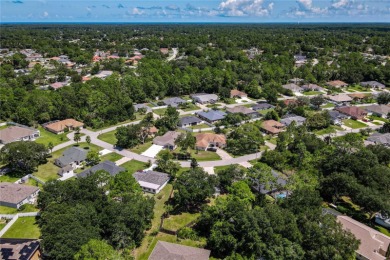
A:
(77, 138)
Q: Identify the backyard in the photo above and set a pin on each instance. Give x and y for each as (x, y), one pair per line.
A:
(159, 111)
(175, 222)
(47, 137)
(310, 93)
(329, 130)
(9, 210)
(328, 105)
(24, 227)
(134, 165)
(108, 137)
(190, 107)
(354, 124)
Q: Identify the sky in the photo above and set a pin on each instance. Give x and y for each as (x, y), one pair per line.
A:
(224, 11)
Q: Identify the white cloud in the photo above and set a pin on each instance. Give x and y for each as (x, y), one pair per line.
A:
(136, 11)
(45, 14)
(271, 6)
(244, 8)
(340, 4)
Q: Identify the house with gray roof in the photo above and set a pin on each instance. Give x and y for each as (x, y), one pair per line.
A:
(189, 121)
(139, 106)
(243, 110)
(378, 110)
(174, 101)
(73, 156)
(299, 120)
(262, 106)
(274, 187)
(336, 117)
(107, 166)
(373, 84)
(204, 98)
(15, 195)
(293, 87)
(212, 116)
(151, 181)
(18, 132)
(378, 138)
(169, 251)
(167, 140)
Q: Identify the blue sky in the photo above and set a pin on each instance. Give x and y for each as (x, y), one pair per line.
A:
(259, 11)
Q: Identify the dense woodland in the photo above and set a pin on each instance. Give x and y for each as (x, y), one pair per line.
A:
(211, 59)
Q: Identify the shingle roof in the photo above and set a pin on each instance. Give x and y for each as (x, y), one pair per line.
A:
(279, 182)
(379, 109)
(21, 249)
(336, 115)
(262, 106)
(212, 115)
(272, 126)
(188, 120)
(352, 111)
(237, 93)
(107, 166)
(174, 101)
(372, 84)
(138, 106)
(204, 139)
(293, 87)
(167, 139)
(339, 98)
(170, 251)
(15, 193)
(59, 126)
(240, 109)
(336, 83)
(72, 154)
(205, 97)
(157, 178)
(380, 138)
(13, 133)
(298, 119)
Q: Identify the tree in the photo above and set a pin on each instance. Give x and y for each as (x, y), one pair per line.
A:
(318, 121)
(228, 176)
(383, 98)
(193, 187)
(261, 175)
(88, 139)
(128, 136)
(245, 139)
(271, 115)
(50, 146)
(166, 164)
(317, 101)
(92, 158)
(186, 141)
(169, 120)
(97, 249)
(242, 191)
(194, 163)
(77, 137)
(24, 157)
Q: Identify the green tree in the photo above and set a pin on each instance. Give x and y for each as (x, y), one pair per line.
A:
(97, 249)
(50, 146)
(317, 101)
(92, 158)
(88, 139)
(245, 139)
(77, 137)
(383, 98)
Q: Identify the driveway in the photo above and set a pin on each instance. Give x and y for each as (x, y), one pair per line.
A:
(152, 151)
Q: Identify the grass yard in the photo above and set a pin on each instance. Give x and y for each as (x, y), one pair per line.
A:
(9, 210)
(25, 227)
(376, 123)
(205, 156)
(372, 117)
(330, 130)
(382, 230)
(49, 171)
(141, 147)
(354, 124)
(310, 93)
(8, 178)
(265, 111)
(200, 126)
(2, 225)
(328, 105)
(138, 116)
(221, 168)
(159, 111)
(108, 137)
(113, 157)
(357, 88)
(175, 222)
(191, 107)
(134, 165)
(47, 137)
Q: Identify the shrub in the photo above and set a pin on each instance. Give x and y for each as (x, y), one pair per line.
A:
(187, 233)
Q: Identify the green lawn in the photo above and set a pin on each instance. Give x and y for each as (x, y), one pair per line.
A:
(205, 156)
(49, 171)
(141, 147)
(138, 116)
(2, 225)
(25, 227)
(108, 137)
(309, 93)
(113, 157)
(159, 111)
(221, 168)
(328, 105)
(191, 107)
(372, 117)
(134, 165)
(47, 137)
(200, 126)
(376, 123)
(175, 222)
(8, 178)
(358, 89)
(8, 210)
(382, 230)
(330, 130)
(265, 111)
(354, 124)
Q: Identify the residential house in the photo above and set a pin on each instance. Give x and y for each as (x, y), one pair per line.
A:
(20, 248)
(373, 84)
(59, 126)
(293, 87)
(339, 99)
(272, 127)
(235, 93)
(206, 140)
(212, 116)
(262, 106)
(336, 84)
(152, 131)
(204, 98)
(336, 117)
(164, 51)
(378, 110)
(274, 188)
(312, 87)
(152, 181)
(299, 120)
(296, 80)
(169, 251)
(300, 60)
(174, 101)
(58, 85)
(15, 195)
(107, 166)
(139, 106)
(66, 171)
(103, 74)
(167, 140)
(378, 138)
(357, 96)
(243, 110)
(352, 111)
(189, 121)
(374, 245)
(18, 133)
(73, 156)
(289, 102)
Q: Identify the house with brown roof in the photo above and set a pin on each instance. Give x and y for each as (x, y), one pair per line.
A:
(288, 102)
(357, 96)
(206, 140)
(339, 99)
(352, 111)
(336, 84)
(373, 244)
(18, 133)
(272, 127)
(243, 110)
(169, 251)
(59, 126)
(167, 140)
(164, 51)
(22, 249)
(15, 195)
(235, 93)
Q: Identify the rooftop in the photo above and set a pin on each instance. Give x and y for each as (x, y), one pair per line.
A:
(22, 249)
(157, 179)
(240, 109)
(15, 193)
(170, 251)
(212, 115)
(13, 133)
(107, 166)
(59, 126)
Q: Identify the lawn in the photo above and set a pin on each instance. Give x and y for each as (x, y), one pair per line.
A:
(328, 105)
(200, 126)
(358, 89)
(382, 230)
(2, 225)
(265, 111)
(160, 111)
(108, 137)
(47, 137)
(205, 156)
(175, 222)
(138, 116)
(24, 227)
(376, 123)
(372, 117)
(9, 210)
(330, 130)
(309, 93)
(191, 107)
(221, 168)
(49, 171)
(134, 165)
(141, 147)
(113, 157)
(354, 124)
(8, 178)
